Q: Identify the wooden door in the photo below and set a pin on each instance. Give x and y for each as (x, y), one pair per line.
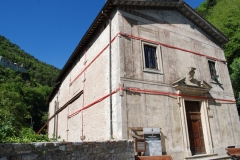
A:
(195, 127)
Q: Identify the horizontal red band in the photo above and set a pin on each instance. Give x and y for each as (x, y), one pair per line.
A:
(169, 46)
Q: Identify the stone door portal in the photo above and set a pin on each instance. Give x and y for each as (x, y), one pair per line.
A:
(194, 123)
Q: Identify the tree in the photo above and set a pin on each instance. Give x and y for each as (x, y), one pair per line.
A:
(23, 95)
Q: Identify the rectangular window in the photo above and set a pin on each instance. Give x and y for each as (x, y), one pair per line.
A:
(151, 58)
(213, 71)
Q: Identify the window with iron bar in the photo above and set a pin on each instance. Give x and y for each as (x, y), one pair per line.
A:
(151, 58)
(213, 71)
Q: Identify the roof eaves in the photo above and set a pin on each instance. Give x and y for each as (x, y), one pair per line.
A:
(203, 23)
(107, 8)
(146, 2)
(98, 20)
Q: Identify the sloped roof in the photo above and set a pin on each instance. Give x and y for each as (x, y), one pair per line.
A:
(180, 5)
(184, 8)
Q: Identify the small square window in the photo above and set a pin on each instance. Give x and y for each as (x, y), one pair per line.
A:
(151, 58)
(213, 71)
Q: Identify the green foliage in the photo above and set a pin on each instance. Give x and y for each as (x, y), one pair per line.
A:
(207, 5)
(202, 9)
(235, 66)
(225, 15)
(23, 96)
(7, 128)
(25, 136)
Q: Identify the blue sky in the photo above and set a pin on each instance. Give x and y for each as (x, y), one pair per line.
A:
(50, 29)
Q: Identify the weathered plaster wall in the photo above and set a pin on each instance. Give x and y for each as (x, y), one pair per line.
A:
(95, 84)
(102, 150)
(224, 126)
(182, 34)
(143, 110)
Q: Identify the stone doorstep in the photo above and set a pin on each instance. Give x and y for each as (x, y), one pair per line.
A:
(226, 157)
(163, 157)
(200, 156)
(208, 157)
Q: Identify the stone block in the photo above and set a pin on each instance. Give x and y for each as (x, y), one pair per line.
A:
(22, 148)
(111, 151)
(37, 147)
(5, 149)
(48, 144)
(85, 145)
(62, 147)
(99, 145)
(130, 154)
(29, 157)
(119, 149)
(70, 148)
(51, 149)
(86, 150)
(114, 157)
(77, 145)
(128, 149)
(48, 157)
(99, 150)
(77, 153)
(107, 156)
(15, 157)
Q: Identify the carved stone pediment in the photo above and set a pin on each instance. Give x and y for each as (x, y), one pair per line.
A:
(190, 85)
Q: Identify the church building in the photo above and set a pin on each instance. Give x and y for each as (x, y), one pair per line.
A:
(148, 64)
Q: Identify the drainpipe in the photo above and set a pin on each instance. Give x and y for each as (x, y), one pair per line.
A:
(110, 73)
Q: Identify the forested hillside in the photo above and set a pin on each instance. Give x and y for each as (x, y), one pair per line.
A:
(225, 15)
(23, 95)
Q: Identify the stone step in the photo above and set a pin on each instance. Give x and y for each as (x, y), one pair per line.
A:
(164, 157)
(225, 157)
(209, 157)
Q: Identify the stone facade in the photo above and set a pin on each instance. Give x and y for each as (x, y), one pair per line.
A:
(147, 97)
(110, 150)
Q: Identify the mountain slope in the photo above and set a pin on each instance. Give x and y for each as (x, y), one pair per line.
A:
(23, 95)
(40, 72)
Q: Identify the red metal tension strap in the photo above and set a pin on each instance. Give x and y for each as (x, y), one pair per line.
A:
(85, 68)
(93, 103)
(174, 94)
(147, 40)
(147, 92)
(169, 46)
